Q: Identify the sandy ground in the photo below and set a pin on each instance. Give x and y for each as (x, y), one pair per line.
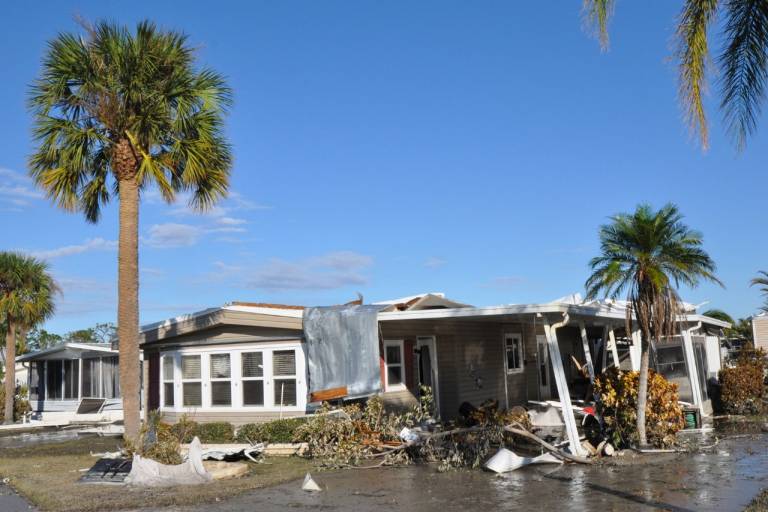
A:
(724, 478)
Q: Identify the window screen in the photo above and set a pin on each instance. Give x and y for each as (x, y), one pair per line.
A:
(284, 362)
(285, 392)
(193, 396)
(220, 366)
(190, 367)
(253, 364)
(53, 379)
(253, 392)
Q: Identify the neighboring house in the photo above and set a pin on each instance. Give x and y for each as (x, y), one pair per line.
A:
(61, 376)
(760, 330)
(516, 354)
(241, 363)
(506, 353)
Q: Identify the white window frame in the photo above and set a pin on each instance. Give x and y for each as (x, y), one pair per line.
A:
(520, 352)
(263, 377)
(275, 377)
(400, 344)
(164, 379)
(208, 384)
(200, 380)
(235, 351)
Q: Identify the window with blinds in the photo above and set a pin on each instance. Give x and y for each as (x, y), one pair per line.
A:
(71, 370)
(190, 367)
(252, 378)
(168, 375)
(221, 385)
(191, 388)
(285, 392)
(284, 362)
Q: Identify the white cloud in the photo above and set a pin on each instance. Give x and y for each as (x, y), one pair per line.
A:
(92, 244)
(325, 272)
(169, 235)
(230, 221)
(17, 189)
(434, 262)
(233, 203)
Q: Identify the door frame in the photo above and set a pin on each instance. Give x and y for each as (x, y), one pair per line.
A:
(431, 342)
(545, 391)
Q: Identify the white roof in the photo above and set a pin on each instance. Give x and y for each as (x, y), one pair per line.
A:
(69, 346)
(403, 300)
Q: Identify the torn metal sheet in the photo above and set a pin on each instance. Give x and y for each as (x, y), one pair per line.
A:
(343, 349)
(107, 471)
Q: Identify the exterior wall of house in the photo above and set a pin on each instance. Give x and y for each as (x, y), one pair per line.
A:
(470, 359)
(760, 331)
(233, 341)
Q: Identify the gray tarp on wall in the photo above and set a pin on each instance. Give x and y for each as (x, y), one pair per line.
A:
(343, 348)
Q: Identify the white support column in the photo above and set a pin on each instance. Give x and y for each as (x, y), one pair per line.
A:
(80, 379)
(587, 353)
(605, 349)
(614, 348)
(635, 351)
(562, 385)
(693, 370)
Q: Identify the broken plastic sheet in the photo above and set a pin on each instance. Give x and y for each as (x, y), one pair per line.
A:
(507, 460)
(343, 349)
(150, 473)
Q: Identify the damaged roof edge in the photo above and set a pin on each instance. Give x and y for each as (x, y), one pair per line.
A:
(522, 309)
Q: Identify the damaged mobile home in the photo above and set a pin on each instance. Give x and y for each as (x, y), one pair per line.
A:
(254, 362)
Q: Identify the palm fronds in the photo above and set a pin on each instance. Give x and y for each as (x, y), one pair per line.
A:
(596, 14)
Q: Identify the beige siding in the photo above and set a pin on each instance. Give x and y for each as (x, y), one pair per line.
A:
(222, 317)
(469, 357)
(237, 418)
(760, 327)
(232, 333)
(399, 401)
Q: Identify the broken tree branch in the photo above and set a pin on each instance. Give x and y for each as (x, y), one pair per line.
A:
(516, 428)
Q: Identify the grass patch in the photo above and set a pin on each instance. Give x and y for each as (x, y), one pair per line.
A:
(47, 476)
(759, 503)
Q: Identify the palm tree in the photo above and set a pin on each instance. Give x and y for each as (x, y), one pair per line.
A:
(26, 299)
(116, 112)
(762, 281)
(742, 62)
(648, 254)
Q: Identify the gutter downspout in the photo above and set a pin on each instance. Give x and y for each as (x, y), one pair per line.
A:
(562, 384)
(693, 370)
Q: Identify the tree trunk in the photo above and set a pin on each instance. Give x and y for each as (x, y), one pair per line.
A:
(642, 394)
(10, 371)
(128, 303)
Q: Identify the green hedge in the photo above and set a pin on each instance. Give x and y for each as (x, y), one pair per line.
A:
(277, 431)
(215, 432)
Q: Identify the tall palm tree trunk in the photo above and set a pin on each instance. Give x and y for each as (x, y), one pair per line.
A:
(128, 295)
(642, 393)
(10, 371)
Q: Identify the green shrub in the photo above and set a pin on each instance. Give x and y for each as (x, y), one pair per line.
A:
(217, 432)
(742, 388)
(618, 407)
(277, 431)
(20, 403)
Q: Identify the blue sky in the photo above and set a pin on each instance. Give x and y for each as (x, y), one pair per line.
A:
(398, 147)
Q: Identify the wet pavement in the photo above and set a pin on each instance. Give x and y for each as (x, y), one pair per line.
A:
(12, 502)
(724, 477)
